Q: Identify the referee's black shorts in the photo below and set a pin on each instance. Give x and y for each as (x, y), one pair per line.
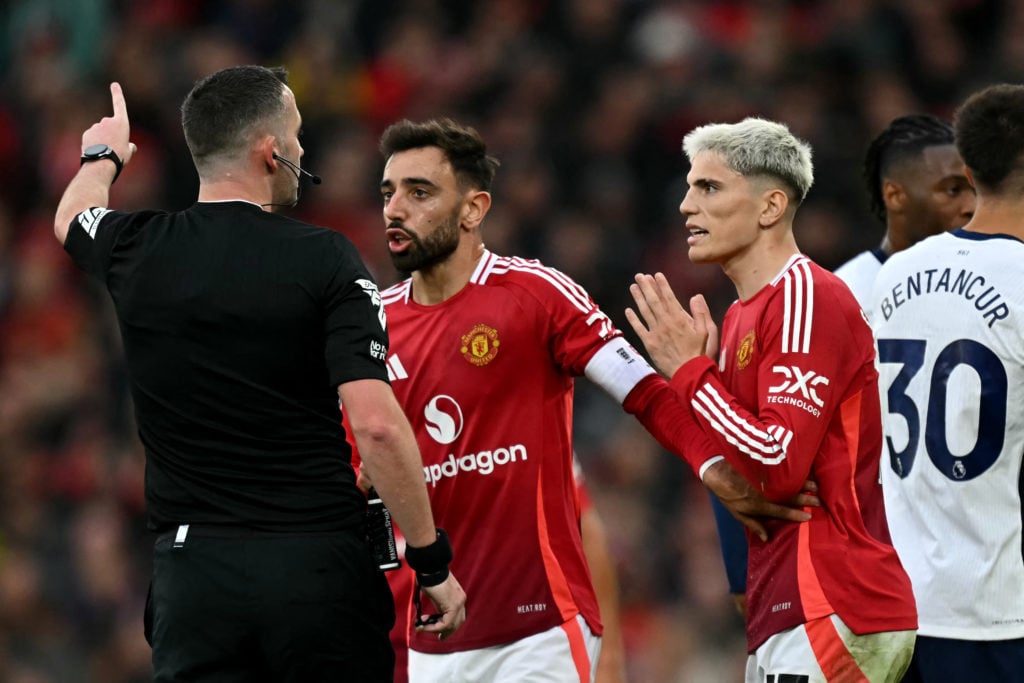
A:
(273, 608)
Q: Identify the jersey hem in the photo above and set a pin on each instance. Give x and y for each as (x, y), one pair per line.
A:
(444, 648)
(973, 633)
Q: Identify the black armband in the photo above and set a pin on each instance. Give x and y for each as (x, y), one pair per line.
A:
(431, 561)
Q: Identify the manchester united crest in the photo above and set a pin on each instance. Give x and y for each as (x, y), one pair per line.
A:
(480, 345)
(745, 352)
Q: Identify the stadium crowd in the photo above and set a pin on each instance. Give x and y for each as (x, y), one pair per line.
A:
(583, 101)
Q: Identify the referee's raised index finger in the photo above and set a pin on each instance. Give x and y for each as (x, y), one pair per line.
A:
(120, 108)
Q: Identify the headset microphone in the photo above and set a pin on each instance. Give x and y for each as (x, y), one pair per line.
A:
(297, 169)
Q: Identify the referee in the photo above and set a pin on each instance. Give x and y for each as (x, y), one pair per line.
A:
(242, 330)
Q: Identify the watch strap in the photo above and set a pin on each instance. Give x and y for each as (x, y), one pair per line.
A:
(106, 153)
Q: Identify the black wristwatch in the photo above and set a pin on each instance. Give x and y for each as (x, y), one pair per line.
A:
(97, 152)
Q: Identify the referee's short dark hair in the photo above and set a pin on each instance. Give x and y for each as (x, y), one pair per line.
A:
(224, 109)
(462, 146)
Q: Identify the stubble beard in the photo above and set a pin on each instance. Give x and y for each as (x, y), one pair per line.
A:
(425, 253)
(285, 197)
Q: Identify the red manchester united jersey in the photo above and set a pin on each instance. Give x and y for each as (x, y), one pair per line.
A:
(486, 379)
(402, 582)
(795, 397)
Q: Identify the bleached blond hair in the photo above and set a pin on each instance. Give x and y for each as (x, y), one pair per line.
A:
(757, 147)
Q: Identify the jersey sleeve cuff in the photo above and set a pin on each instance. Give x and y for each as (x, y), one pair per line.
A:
(687, 376)
(707, 464)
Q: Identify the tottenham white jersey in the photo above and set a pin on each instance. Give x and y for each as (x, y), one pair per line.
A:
(948, 318)
(859, 274)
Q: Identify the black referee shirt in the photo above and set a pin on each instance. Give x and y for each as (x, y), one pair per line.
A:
(238, 326)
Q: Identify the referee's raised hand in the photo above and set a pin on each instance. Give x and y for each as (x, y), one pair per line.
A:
(112, 130)
(107, 143)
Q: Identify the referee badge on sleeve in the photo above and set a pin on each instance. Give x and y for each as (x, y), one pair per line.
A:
(90, 219)
(369, 288)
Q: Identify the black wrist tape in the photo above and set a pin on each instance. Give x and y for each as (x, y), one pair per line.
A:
(432, 560)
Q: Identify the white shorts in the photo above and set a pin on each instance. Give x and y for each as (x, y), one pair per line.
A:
(563, 654)
(825, 649)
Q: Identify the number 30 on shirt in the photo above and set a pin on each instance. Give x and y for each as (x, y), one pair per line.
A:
(982, 394)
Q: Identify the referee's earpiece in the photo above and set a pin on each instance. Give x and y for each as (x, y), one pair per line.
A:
(297, 170)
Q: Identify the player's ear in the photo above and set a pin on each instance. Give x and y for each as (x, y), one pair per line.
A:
(775, 203)
(475, 207)
(894, 196)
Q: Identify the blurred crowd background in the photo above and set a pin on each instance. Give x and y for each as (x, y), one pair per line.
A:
(583, 101)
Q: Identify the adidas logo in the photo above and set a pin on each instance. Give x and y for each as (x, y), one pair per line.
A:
(395, 368)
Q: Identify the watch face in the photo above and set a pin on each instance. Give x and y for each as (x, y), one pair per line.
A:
(101, 152)
(96, 150)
